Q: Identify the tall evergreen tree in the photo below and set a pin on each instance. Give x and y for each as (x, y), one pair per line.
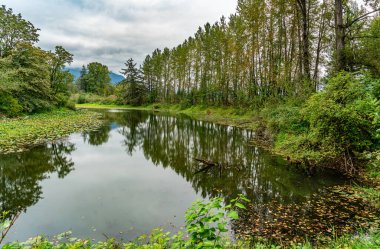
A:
(133, 88)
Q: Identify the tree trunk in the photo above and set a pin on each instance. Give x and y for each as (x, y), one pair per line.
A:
(321, 34)
(302, 4)
(339, 36)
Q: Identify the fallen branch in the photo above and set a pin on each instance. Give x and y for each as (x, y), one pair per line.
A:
(210, 164)
(5, 232)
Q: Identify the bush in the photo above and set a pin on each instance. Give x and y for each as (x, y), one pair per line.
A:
(9, 105)
(71, 105)
(93, 98)
(81, 99)
(61, 99)
(341, 124)
(342, 116)
(109, 100)
(285, 118)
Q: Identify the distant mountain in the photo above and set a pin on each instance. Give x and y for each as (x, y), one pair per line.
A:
(115, 78)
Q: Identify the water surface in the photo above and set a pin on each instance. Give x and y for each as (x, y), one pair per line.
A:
(137, 173)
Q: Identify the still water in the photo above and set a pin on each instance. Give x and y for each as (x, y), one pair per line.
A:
(137, 173)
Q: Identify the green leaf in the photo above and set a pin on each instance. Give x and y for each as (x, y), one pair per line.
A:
(233, 215)
(239, 205)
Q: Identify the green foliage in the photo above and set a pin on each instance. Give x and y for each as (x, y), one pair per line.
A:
(83, 98)
(60, 80)
(206, 222)
(131, 90)
(337, 124)
(4, 222)
(341, 117)
(95, 79)
(206, 225)
(369, 53)
(14, 30)
(284, 117)
(25, 76)
(9, 105)
(62, 87)
(31, 79)
(71, 105)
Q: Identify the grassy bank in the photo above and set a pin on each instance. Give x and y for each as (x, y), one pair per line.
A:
(222, 115)
(22, 133)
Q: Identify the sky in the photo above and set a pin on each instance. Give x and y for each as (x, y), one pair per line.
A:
(112, 31)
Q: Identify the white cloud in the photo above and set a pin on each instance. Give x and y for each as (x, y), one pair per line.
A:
(113, 31)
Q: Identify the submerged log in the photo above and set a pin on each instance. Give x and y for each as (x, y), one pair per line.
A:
(209, 165)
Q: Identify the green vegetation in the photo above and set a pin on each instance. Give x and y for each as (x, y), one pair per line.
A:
(19, 134)
(83, 98)
(31, 79)
(334, 128)
(158, 240)
(95, 79)
(132, 89)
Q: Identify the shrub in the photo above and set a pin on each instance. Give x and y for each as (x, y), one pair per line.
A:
(81, 99)
(341, 124)
(342, 116)
(61, 99)
(9, 105)
(71, 105)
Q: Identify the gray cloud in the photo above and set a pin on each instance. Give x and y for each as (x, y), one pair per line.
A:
(111, 31)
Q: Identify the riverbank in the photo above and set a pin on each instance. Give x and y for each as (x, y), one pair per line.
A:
(227, 116)
(20, 134)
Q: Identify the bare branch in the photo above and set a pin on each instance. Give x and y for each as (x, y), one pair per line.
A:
(361, 17)
(365, 37)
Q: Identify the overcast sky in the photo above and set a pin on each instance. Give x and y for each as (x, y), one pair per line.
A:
(111, 31)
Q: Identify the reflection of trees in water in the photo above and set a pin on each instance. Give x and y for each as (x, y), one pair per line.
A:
(21, 174)
(116, 119)
(134, 130)
(97, 137)
(175, 142)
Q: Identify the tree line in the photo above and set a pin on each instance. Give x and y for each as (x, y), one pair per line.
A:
(272, 49)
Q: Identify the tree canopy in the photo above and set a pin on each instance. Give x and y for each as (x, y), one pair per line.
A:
(31, 79)
(13, 30)
(94, 78)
